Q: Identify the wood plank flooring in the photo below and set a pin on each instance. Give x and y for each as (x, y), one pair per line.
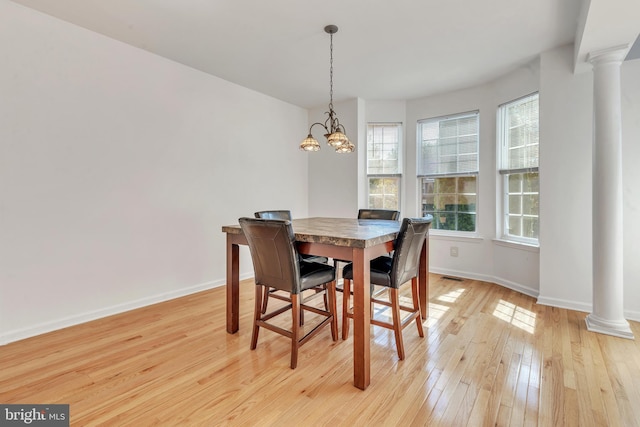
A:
(490, 356)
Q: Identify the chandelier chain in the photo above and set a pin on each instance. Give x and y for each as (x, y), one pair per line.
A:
(335, 132)
(331, 73)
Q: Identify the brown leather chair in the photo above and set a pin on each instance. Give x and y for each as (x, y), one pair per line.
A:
(276, 265)
(386, 214)
(378, 214)
(285, 215)
(277, 214)
(392, 273)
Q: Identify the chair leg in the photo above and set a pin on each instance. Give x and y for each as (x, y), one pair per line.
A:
(346, 302)
(397, 321)
(416, 305)
(257, 313)
(295, 329)
(265, 300)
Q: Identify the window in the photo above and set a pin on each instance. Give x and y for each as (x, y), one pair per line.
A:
(448, 170)
(384, 166)
(518, 142)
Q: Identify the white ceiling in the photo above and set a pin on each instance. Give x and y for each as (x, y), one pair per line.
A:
(400, 49)
(606, 24)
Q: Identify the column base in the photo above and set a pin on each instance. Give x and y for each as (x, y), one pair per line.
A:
(616, 328)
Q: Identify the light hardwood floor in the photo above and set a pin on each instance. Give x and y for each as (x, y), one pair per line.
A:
(490, 356)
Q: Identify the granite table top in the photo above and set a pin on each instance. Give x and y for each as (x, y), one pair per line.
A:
(350, 232)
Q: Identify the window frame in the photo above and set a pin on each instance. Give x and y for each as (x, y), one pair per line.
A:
(396, 176)
(421, 175)
(504, 173)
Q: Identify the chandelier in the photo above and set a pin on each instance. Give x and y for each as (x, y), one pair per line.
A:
(334, 131)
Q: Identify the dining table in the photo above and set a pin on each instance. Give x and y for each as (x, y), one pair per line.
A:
(354, 240)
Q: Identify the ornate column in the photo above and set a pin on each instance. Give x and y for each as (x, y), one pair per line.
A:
(607, 314)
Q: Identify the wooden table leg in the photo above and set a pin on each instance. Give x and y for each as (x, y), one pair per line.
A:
(233, 285)
(423, 279)
(361, 319)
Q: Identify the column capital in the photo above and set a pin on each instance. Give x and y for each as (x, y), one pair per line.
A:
(608, 55)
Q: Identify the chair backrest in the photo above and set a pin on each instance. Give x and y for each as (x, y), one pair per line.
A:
(378, 214)
(273, 252)
(274, 214)
(406, 258)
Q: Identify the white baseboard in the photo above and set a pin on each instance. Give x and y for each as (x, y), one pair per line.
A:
(581, 306)
(632, 315)
(486, 278)
(65, 322)
(566, 304)
(553, 302)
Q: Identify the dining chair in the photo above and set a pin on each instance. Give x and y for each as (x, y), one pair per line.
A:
(392, 272)
(276, 265)
(386, 214)
(378, 214)
(286, 215)
(277, 214)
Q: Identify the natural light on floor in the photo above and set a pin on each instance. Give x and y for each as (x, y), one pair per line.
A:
(451, 296)
(436, 311)
(517, 316)
(381, 311)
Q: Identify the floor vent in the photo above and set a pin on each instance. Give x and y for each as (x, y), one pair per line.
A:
(457, 279)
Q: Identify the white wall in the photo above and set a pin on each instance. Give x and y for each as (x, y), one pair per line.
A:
(118, 169)
(479, 256)
(566, 111)
(333, 177)
(631, 182)
(559, 273)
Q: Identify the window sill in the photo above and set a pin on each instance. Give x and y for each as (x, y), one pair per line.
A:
(517, 245)
(471, 237)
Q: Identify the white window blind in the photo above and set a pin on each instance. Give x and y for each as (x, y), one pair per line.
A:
(448, 145)
(383, 143)
(519, 124)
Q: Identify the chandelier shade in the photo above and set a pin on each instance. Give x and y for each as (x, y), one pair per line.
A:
(346, 148)
(337, 139)
(310, 144)
(334, 131)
